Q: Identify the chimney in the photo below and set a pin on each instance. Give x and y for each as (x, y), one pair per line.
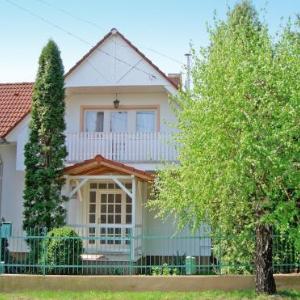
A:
(176, 78)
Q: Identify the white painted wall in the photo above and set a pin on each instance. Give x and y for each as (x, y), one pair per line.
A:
(12, 193)
(75, 101)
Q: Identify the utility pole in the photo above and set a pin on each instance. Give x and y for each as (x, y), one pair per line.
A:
(188, 72)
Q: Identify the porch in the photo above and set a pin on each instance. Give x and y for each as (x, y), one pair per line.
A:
(106, 207)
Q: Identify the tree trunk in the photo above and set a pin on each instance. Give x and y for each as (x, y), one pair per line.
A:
(264, 281)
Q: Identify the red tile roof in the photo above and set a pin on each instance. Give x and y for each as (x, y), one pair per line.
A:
(15, 103)
(176, 79)
(100, 165)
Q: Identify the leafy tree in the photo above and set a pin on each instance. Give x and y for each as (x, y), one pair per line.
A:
(45, 151)
(239, 135)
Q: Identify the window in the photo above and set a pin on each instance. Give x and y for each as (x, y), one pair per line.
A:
(94, 121)
(118, 122)
(106, 120)
(145, 121)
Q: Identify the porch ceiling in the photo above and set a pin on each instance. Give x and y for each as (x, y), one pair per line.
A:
(99, 165)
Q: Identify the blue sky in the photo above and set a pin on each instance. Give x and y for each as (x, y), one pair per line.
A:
(167, 26)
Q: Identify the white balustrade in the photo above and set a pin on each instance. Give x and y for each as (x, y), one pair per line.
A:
(121, 146)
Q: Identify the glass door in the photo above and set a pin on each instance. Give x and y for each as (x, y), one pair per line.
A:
(118, 121)
(118, 125)
(109, 217)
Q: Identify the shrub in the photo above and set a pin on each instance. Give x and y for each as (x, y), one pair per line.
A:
(61, 252)
(164, 270)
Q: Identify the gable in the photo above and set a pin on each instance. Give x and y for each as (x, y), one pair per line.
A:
(114, 61)
(103, 166)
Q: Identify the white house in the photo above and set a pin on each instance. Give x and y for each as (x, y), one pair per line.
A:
(117, 136)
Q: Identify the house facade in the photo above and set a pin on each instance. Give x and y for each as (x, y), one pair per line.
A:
(118, 135)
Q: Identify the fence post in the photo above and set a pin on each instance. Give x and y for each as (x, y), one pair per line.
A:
(1, 264)
(44, 249)
(130, 252)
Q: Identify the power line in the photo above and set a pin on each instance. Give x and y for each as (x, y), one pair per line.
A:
(102, 28)
(71, 15)
(152, 76)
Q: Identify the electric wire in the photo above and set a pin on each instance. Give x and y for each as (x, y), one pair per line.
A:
(152, 76)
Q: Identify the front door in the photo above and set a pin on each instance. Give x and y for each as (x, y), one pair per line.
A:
(109, 217)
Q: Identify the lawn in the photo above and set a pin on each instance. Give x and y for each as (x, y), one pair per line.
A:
(63, 295)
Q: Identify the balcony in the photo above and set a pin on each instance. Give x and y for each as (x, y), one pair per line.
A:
(121, 146)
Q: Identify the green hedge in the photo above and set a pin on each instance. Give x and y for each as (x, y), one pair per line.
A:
(61, 251)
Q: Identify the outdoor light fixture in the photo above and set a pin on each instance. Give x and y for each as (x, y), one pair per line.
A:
(116, 102)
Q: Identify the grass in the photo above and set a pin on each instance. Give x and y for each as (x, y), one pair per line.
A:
(91, 295)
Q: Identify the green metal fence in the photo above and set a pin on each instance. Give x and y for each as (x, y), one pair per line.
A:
(123, 251)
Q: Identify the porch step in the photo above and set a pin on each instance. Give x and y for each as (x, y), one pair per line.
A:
(98, 257)
(93, 257)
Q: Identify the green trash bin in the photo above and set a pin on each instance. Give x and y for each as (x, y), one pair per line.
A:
(1, 267)
(190, 265)
(5, 230)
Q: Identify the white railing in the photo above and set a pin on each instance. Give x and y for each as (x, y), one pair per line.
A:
(121, 146)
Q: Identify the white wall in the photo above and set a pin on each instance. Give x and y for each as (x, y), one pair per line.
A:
(12, 194)
(75, 101)
(116, 63)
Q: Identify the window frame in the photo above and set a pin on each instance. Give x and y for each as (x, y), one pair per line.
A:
(107, 109)
(154, 120)
(85, 119)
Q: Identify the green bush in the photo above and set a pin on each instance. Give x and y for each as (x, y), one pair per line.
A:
(61, 251)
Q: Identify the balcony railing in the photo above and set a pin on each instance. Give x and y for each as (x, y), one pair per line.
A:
(121, 146)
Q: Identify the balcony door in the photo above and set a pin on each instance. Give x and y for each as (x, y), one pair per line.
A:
(119, 121)
(119, 125)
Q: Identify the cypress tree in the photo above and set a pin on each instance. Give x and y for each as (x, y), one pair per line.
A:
(45, 151)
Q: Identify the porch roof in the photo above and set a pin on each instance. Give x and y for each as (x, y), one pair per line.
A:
(100, 165)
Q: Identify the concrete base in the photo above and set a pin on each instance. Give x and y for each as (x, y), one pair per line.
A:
(12, 283)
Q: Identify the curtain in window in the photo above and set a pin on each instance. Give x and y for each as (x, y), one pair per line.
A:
(118, 121)
(145, 121)
(94, 121)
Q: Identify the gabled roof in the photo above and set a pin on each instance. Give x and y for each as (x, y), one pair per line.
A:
(107, 36)
(100, 165)
(15, 104)
(15, 98)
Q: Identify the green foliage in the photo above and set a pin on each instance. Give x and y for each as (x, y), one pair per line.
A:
(239, 136)
(45, 151)
(61, 247)
(164, 270)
